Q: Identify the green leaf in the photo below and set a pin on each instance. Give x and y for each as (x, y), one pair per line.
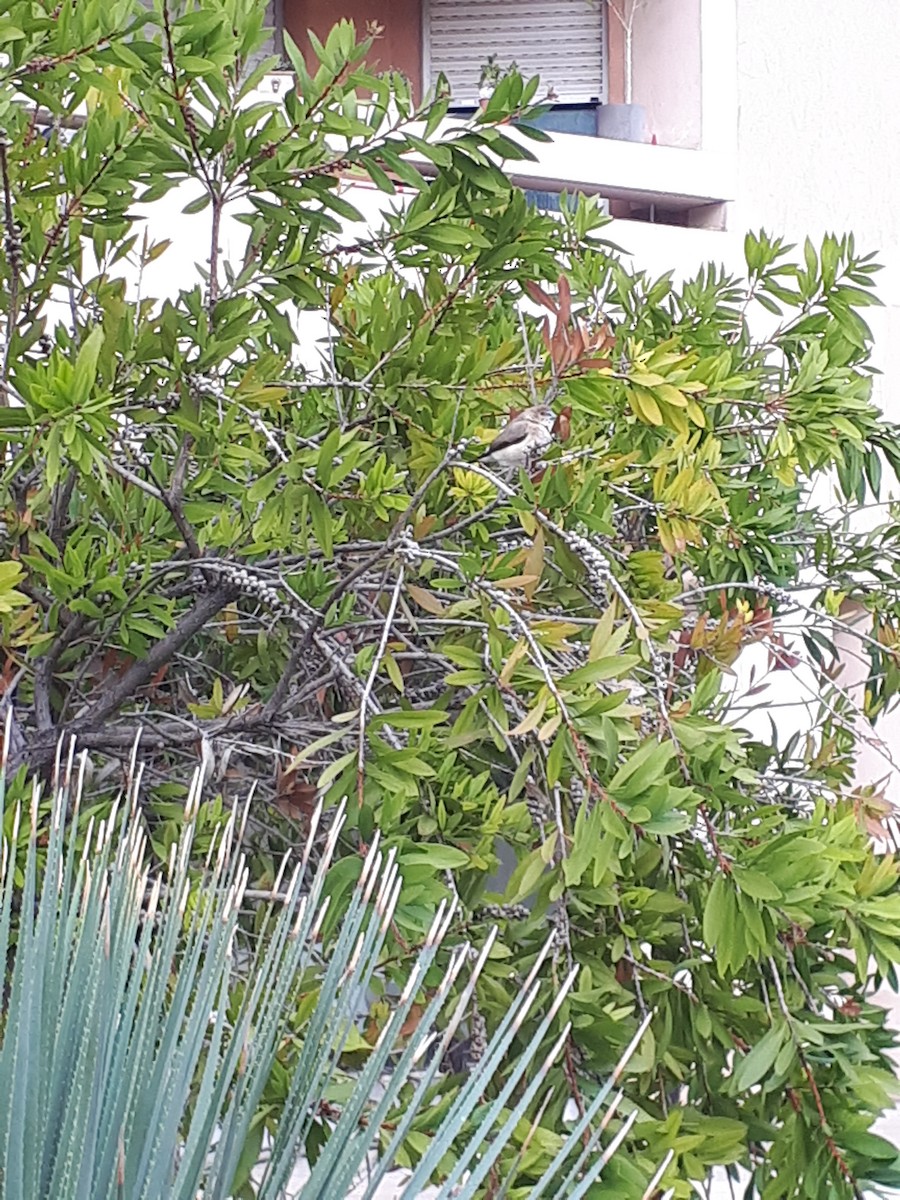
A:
(400, 718)
(321, 522)
(85, 373)
(556, 757)
(761, 1058)
(325, 461)
(196, 206)
(715, 912)
(602, 669)
(644, 767)
(755, 884)
(433, 855)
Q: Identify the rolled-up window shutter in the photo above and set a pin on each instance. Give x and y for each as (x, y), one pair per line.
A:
(560, 40)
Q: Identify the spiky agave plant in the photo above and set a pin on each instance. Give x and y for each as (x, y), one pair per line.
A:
(122, 1075)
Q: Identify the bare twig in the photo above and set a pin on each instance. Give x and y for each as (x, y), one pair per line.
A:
(129, 477)
(72, 206)
(180, 95)
(173, 497)
(214, 249)
(625, 17)
(332, 364)
(62, 495)
(529, 361)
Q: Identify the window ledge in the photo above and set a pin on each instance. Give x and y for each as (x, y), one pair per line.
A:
(668, 176)
(672, 178)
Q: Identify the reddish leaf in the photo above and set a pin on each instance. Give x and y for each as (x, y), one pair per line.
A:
(560, 349)
(230, 622)
(159, 675)
(114, 662)
(539, 296)
(295, 796)
(562, 426)
(7, 675)
(624, 971)
(606, 336)
(411, 1024)
(426, 600)
(424, 526)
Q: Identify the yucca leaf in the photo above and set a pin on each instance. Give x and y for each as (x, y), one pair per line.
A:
(587, 1119)
(128, 1081)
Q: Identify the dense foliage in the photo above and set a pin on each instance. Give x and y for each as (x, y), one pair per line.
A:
(245, 520)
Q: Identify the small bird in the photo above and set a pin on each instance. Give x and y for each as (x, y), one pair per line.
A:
(521, 438)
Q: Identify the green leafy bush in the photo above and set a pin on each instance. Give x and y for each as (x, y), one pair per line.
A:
(247, 521)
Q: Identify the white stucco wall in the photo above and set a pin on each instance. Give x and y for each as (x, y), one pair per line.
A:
(818, 143)
(819, 136)
(819, 151)
(667, 74)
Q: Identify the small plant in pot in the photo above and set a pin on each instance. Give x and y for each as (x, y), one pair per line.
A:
(626, 122)
(491, 74)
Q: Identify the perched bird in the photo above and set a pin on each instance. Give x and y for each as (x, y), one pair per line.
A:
(521, 438)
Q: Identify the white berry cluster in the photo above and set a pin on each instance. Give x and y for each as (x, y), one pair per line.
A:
(249, 584)
(504, 912)
(477, 1036)
(596, 562)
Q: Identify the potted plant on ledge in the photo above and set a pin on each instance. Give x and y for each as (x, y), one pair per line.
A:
(491, 74)
(625, 122)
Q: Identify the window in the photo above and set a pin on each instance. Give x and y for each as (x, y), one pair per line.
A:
(563, 41)
(399, 46)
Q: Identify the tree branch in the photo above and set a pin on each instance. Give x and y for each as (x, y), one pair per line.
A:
(43, 672)
(140, 673)
(173, 497)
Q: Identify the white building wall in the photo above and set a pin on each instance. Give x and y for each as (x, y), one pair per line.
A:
(817, 142)
(819, 137)
(669, 86)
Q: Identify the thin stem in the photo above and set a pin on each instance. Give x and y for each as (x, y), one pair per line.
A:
(14, 258)
(214, 251)
(833, 1149)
